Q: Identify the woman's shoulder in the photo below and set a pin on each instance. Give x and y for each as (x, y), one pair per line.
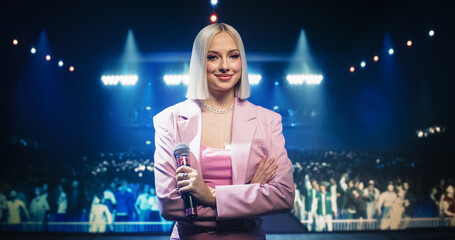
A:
(261, 112)
(173, 110)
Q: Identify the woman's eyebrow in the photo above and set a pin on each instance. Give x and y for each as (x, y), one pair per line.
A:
(215, 52)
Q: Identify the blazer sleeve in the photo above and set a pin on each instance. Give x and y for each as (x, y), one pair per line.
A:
(170, 202)
(251, 200)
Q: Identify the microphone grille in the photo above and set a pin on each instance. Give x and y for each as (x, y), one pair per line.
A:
(181, 149)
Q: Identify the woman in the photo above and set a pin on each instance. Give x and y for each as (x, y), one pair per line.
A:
(448, 205)
(239, 166)
(99, 215)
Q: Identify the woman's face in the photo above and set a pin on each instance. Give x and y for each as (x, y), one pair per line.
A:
(224, 66)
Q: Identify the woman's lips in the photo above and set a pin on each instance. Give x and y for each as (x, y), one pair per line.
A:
(224, 77)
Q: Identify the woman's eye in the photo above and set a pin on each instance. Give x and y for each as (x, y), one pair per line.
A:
(235, 56)
(211, 58)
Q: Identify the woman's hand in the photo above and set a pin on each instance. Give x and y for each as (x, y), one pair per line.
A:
(265, 171)
(190, 181)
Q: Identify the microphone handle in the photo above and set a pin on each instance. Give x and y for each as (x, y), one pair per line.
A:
(190, 206)
(188, 202)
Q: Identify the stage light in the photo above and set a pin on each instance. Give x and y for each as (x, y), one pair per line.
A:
(125, 80)
(276, 83)
(351, 69)
(254, 79)
(71, 69)
(214, 2)
(129, 80)
(48, 57)
(15, 42)
(60, 63)
(148, 142)
(176, 79)
(419, 134)
(431, 33)
(376, 58)
(309, 79)
(391, 51)
(148, 108)
(33, 50)
(363, 64)
(409, 43)
(213, 18)
(275, 107)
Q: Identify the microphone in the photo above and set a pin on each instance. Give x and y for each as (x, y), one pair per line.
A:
(182, 155)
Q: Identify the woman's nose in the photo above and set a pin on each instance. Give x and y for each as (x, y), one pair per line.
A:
(224, 66)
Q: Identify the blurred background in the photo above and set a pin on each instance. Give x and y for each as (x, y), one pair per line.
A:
(365, 90)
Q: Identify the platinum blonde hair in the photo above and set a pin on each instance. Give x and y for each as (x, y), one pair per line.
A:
(197, 86)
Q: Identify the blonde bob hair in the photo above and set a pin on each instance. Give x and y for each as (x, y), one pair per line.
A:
(197, 86)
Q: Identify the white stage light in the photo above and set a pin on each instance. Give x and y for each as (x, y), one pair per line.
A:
(214, 2)
(431, 33)
(391, 51)
(176, 79)
(254, 79)
(309, 79)
(148, 108)
(419, 133)
(363, 64)
(33, 50)
(60, 63)
(128, 80)
(125, 80)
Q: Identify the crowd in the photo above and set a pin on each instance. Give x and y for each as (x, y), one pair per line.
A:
(365, 185)
(119, 201)
(108, 187)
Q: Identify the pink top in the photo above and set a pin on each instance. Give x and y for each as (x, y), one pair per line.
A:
(216, 166)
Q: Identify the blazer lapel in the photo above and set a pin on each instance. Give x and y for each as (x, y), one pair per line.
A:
(189, 130)
(244, 126)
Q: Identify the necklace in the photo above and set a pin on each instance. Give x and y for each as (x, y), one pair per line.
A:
(217, 111)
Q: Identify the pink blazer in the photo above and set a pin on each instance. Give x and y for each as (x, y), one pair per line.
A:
(256, 132)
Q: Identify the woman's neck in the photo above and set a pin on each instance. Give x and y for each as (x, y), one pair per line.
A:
(221, 100)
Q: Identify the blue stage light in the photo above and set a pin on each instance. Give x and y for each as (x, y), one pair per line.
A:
(391, 51)
(277, 83)
(363, 64)
(33, 50)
